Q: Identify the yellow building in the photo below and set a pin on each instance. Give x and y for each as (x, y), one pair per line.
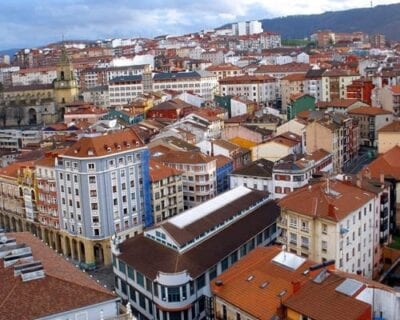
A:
(65, 86)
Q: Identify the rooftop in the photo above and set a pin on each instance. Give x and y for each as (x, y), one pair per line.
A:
(63, 288)
(150, 257)
(320, 201)
(392, 127)
(263, 275)
(106, 144)
(369, 111)
(260, 168)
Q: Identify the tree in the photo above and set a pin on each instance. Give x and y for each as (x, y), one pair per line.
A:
(3, 115)
(18, 115)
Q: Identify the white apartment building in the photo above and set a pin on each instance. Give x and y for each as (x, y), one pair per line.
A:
(41, 75)
(257, 175)
(247, 28)
(123, 90)
(15, 139)
(255, 88)
(202, 83)
(295, 170)
(199, 174)
(332, 220)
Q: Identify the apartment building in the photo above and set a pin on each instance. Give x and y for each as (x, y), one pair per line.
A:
(94, 77)
(388, 137)
(292, 85)
(166, 191)
(313, 83)
(46, 191)
(271, 283)
(370, 121)
(199, 177)
(280, 71)
(336, 133)
(16, 139)
(332, 220)
(202, 83)
(389, 98)
(259, 88)
(225, 70)
(256, 175)
(335, 82)
(295, 170)
(361, 90)
(165, 272)
(124, 89)
(103, 188)
(40, 75)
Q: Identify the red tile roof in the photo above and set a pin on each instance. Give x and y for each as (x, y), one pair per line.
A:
(392, 127)
(223, 67)
(321, 301)
(387, 164)
(370, 111)
(105, 144)
(63, 288)
(248, 295)
(315, 201)
(159, 171)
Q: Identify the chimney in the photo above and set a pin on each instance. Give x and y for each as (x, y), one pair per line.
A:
(359, 183)
(296, 286)
(382, 178)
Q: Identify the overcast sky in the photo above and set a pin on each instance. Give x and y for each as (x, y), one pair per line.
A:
(28, 23)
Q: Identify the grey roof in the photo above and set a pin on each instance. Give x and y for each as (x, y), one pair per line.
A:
(175, 75)
(126, 78)
(260, 168)
(150, 257)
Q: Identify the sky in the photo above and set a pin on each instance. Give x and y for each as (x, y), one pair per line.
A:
(30, 23)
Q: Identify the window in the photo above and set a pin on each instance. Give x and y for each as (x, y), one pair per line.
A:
(224, 264)
(92, 179)
(324, 246)
(174, 294)
(201, 281)
(304, 226)
(213, 273)
(132, 294)
(293, 222)
(293, 238)
(324, 228)
(131, 273)
(91, 166)
(121, 266)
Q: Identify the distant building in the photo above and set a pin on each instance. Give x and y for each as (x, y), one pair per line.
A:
(370, 121)
(295, 170)
(247, 28)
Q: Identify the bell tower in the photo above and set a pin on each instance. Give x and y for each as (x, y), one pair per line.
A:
(65, 85)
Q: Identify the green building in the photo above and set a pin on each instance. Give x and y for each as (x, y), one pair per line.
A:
(298, 104)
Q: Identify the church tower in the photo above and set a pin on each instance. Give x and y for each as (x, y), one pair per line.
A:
(65, 86)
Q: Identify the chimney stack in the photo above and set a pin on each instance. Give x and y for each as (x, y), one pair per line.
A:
(331, 210)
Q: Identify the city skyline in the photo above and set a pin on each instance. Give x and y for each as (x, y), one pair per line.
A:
(36, 23)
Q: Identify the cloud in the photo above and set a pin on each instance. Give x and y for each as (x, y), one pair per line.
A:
(27, 23)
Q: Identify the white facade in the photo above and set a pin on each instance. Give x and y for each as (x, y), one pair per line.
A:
(121, 93)
(25, 77)
(255, 91)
